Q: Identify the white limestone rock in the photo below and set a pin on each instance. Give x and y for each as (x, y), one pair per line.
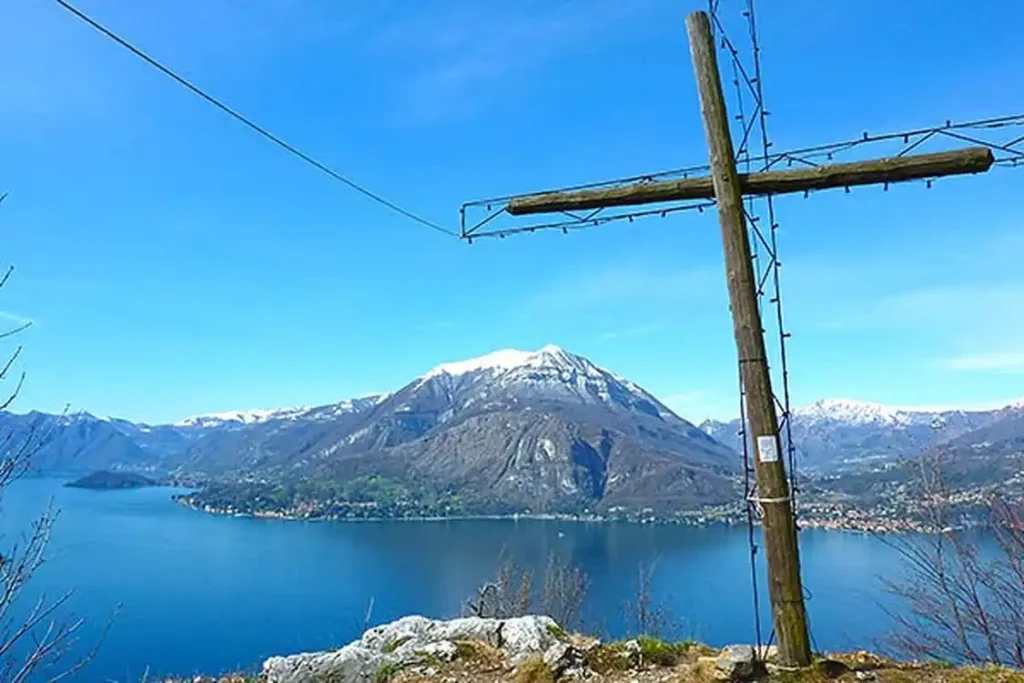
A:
(410, 641)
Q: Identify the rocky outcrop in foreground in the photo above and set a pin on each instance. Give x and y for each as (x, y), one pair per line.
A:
(533, 649)
(417, 642)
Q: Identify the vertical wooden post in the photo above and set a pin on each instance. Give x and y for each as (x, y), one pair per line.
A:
(780, 535)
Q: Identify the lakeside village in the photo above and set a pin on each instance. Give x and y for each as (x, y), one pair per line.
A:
(897, 512)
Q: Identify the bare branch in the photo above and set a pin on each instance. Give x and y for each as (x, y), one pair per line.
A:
(10, 269)
(959, 603)
(42, 644)
(643, 615)
(17, 390)
(561, 593)
(16, 330)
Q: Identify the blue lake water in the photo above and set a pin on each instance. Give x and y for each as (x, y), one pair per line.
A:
(201, 593)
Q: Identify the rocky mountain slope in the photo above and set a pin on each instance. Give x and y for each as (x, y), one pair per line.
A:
(81, 442)
(837, 434)
(542, 428)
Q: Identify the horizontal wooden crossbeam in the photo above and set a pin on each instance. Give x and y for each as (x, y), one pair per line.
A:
(872, 172)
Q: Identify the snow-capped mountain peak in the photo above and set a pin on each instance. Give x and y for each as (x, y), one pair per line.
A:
(496, 361)
(548, 357)
(547, 374)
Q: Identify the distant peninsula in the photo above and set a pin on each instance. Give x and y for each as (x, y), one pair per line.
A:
(112, 480)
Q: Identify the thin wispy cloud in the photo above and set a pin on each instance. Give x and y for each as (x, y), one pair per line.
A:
(700, 405)
(996, 361)
(15, 319)
(635, 332)
(465, 55)
(597, 289)
(946, 278)
(981, 302)
(961, 311)
(10, 323)
(87, 76)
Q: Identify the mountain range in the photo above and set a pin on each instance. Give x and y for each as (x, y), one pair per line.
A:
(841, 434)
(542, 431)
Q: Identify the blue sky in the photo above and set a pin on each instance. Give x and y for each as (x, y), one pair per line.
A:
(174, 263)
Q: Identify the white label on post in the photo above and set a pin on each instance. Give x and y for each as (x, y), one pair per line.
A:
(767, 449)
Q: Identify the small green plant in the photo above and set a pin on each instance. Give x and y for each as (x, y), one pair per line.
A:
(396, 643)
(610, 658)
(659, 652)
(556, 631)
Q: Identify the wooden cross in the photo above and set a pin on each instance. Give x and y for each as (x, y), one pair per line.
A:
(728, 188)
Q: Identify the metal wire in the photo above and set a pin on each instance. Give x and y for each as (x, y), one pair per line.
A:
(749, 491)
(775, 264)
(196, 90)
(578, 223)
(751, 498)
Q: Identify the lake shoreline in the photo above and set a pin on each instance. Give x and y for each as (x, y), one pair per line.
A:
(860, 526)
(222, 512)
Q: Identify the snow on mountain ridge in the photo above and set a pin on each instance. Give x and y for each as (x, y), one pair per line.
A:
(867, 412)
(242, 416)
(854, 411)
(499, 363)
(248, 417)
(548, 356)
(504, 359)
(549, 370)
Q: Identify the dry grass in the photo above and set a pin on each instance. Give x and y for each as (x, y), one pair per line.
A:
(691, 663)
(661, 662)
(533, 670)
(904, 673)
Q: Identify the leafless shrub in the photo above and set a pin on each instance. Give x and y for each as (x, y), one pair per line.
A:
(513, 593)
(565, 589)
(36, 639)
(643, 616)
(964, 601)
